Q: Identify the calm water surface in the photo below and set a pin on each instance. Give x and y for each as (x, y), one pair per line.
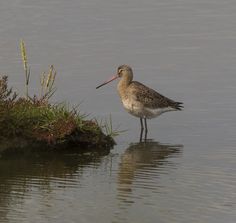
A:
(185, 49)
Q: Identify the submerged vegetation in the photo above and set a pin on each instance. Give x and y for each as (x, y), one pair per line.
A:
(33, 121)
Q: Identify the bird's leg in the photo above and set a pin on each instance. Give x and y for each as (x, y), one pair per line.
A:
(146, 129)
(141, 132)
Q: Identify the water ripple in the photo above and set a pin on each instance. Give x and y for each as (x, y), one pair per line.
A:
(142, 164)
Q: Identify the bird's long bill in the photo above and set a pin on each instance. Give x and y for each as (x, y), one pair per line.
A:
(108, 81)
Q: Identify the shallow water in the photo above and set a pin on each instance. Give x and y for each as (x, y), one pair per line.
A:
(184, 49)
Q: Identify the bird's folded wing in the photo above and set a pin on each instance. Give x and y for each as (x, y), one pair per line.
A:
(152, 99)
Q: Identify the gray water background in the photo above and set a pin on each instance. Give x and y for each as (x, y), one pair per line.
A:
(185, 49)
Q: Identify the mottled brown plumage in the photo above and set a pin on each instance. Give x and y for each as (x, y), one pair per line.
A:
(140, 100)
(150, 98)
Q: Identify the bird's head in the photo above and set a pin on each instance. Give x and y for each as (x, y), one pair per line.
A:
(122, 71)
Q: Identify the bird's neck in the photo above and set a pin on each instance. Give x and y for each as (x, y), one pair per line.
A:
(124, 84)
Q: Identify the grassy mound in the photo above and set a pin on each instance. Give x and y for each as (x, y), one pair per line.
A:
(36, 122)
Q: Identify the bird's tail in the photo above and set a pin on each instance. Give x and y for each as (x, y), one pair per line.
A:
(178, 106)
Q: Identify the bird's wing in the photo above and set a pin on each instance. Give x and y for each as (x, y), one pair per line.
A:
(150, 98)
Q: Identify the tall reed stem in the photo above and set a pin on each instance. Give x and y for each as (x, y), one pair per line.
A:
(26, 69)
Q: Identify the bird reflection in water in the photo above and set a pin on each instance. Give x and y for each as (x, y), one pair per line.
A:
(141, 164)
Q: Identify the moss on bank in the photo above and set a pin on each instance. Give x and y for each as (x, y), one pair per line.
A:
(34, 122)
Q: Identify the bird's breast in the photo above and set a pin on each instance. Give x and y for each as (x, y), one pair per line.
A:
(139, 110)
(133, 108)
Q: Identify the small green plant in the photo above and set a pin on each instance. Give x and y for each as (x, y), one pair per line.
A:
(107, 126)
(47, 79)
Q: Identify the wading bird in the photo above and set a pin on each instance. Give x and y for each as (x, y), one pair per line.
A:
(140, 100)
